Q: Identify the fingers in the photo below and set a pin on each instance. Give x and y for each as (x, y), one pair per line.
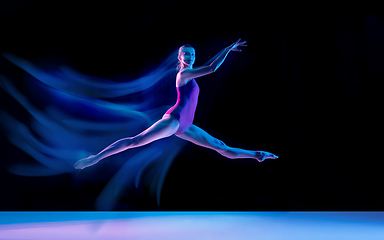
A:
(242, 44)
(234, 46)
(236, 43)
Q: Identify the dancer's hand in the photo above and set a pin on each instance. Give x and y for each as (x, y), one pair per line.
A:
(233, 46)
(261, 156)
(86, 162)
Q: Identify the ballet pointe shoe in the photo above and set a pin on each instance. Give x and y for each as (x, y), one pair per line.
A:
(262, 155)
(86, 162)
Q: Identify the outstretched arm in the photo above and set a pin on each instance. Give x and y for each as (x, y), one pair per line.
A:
(214, 65)
(213, 59)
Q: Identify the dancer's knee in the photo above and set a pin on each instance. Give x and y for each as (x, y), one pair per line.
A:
(142, 139)
(135, 141)
(219, 145)
(156, 132)
(225, 150)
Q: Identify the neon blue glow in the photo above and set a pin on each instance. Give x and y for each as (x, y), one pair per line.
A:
(83, 114)
(192, 225)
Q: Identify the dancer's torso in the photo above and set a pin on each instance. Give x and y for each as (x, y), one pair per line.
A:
(185, 107)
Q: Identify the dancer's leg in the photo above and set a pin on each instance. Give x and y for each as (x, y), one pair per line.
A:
(200, 137)
(163, 128)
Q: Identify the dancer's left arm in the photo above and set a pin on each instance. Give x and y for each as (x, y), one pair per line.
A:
(210, 61)
(225, 51)
(214, 65)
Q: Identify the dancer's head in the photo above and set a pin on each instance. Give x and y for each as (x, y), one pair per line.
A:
(186, 56)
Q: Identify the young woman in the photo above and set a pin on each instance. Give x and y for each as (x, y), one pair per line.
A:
(178, 119)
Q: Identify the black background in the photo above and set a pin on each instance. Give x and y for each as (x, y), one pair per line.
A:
(306, 88)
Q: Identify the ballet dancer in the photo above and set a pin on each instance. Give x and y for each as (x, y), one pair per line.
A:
(178, 119)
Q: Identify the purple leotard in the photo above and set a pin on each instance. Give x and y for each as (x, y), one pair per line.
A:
(185, 107)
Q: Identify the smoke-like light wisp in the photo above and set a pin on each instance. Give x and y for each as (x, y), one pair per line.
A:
(80, 115)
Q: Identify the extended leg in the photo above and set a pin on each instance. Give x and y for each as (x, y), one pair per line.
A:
(165, 127)
(200, 137)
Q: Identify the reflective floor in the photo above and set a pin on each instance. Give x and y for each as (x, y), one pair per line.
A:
(191, 225)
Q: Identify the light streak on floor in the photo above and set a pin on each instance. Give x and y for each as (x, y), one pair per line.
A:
(191, 225)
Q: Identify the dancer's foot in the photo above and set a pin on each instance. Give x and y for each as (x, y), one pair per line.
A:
(261, 156)
(86, 162)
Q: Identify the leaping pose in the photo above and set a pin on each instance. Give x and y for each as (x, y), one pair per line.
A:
(178, 119)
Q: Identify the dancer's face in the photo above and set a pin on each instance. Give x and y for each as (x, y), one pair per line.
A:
(187, 56)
